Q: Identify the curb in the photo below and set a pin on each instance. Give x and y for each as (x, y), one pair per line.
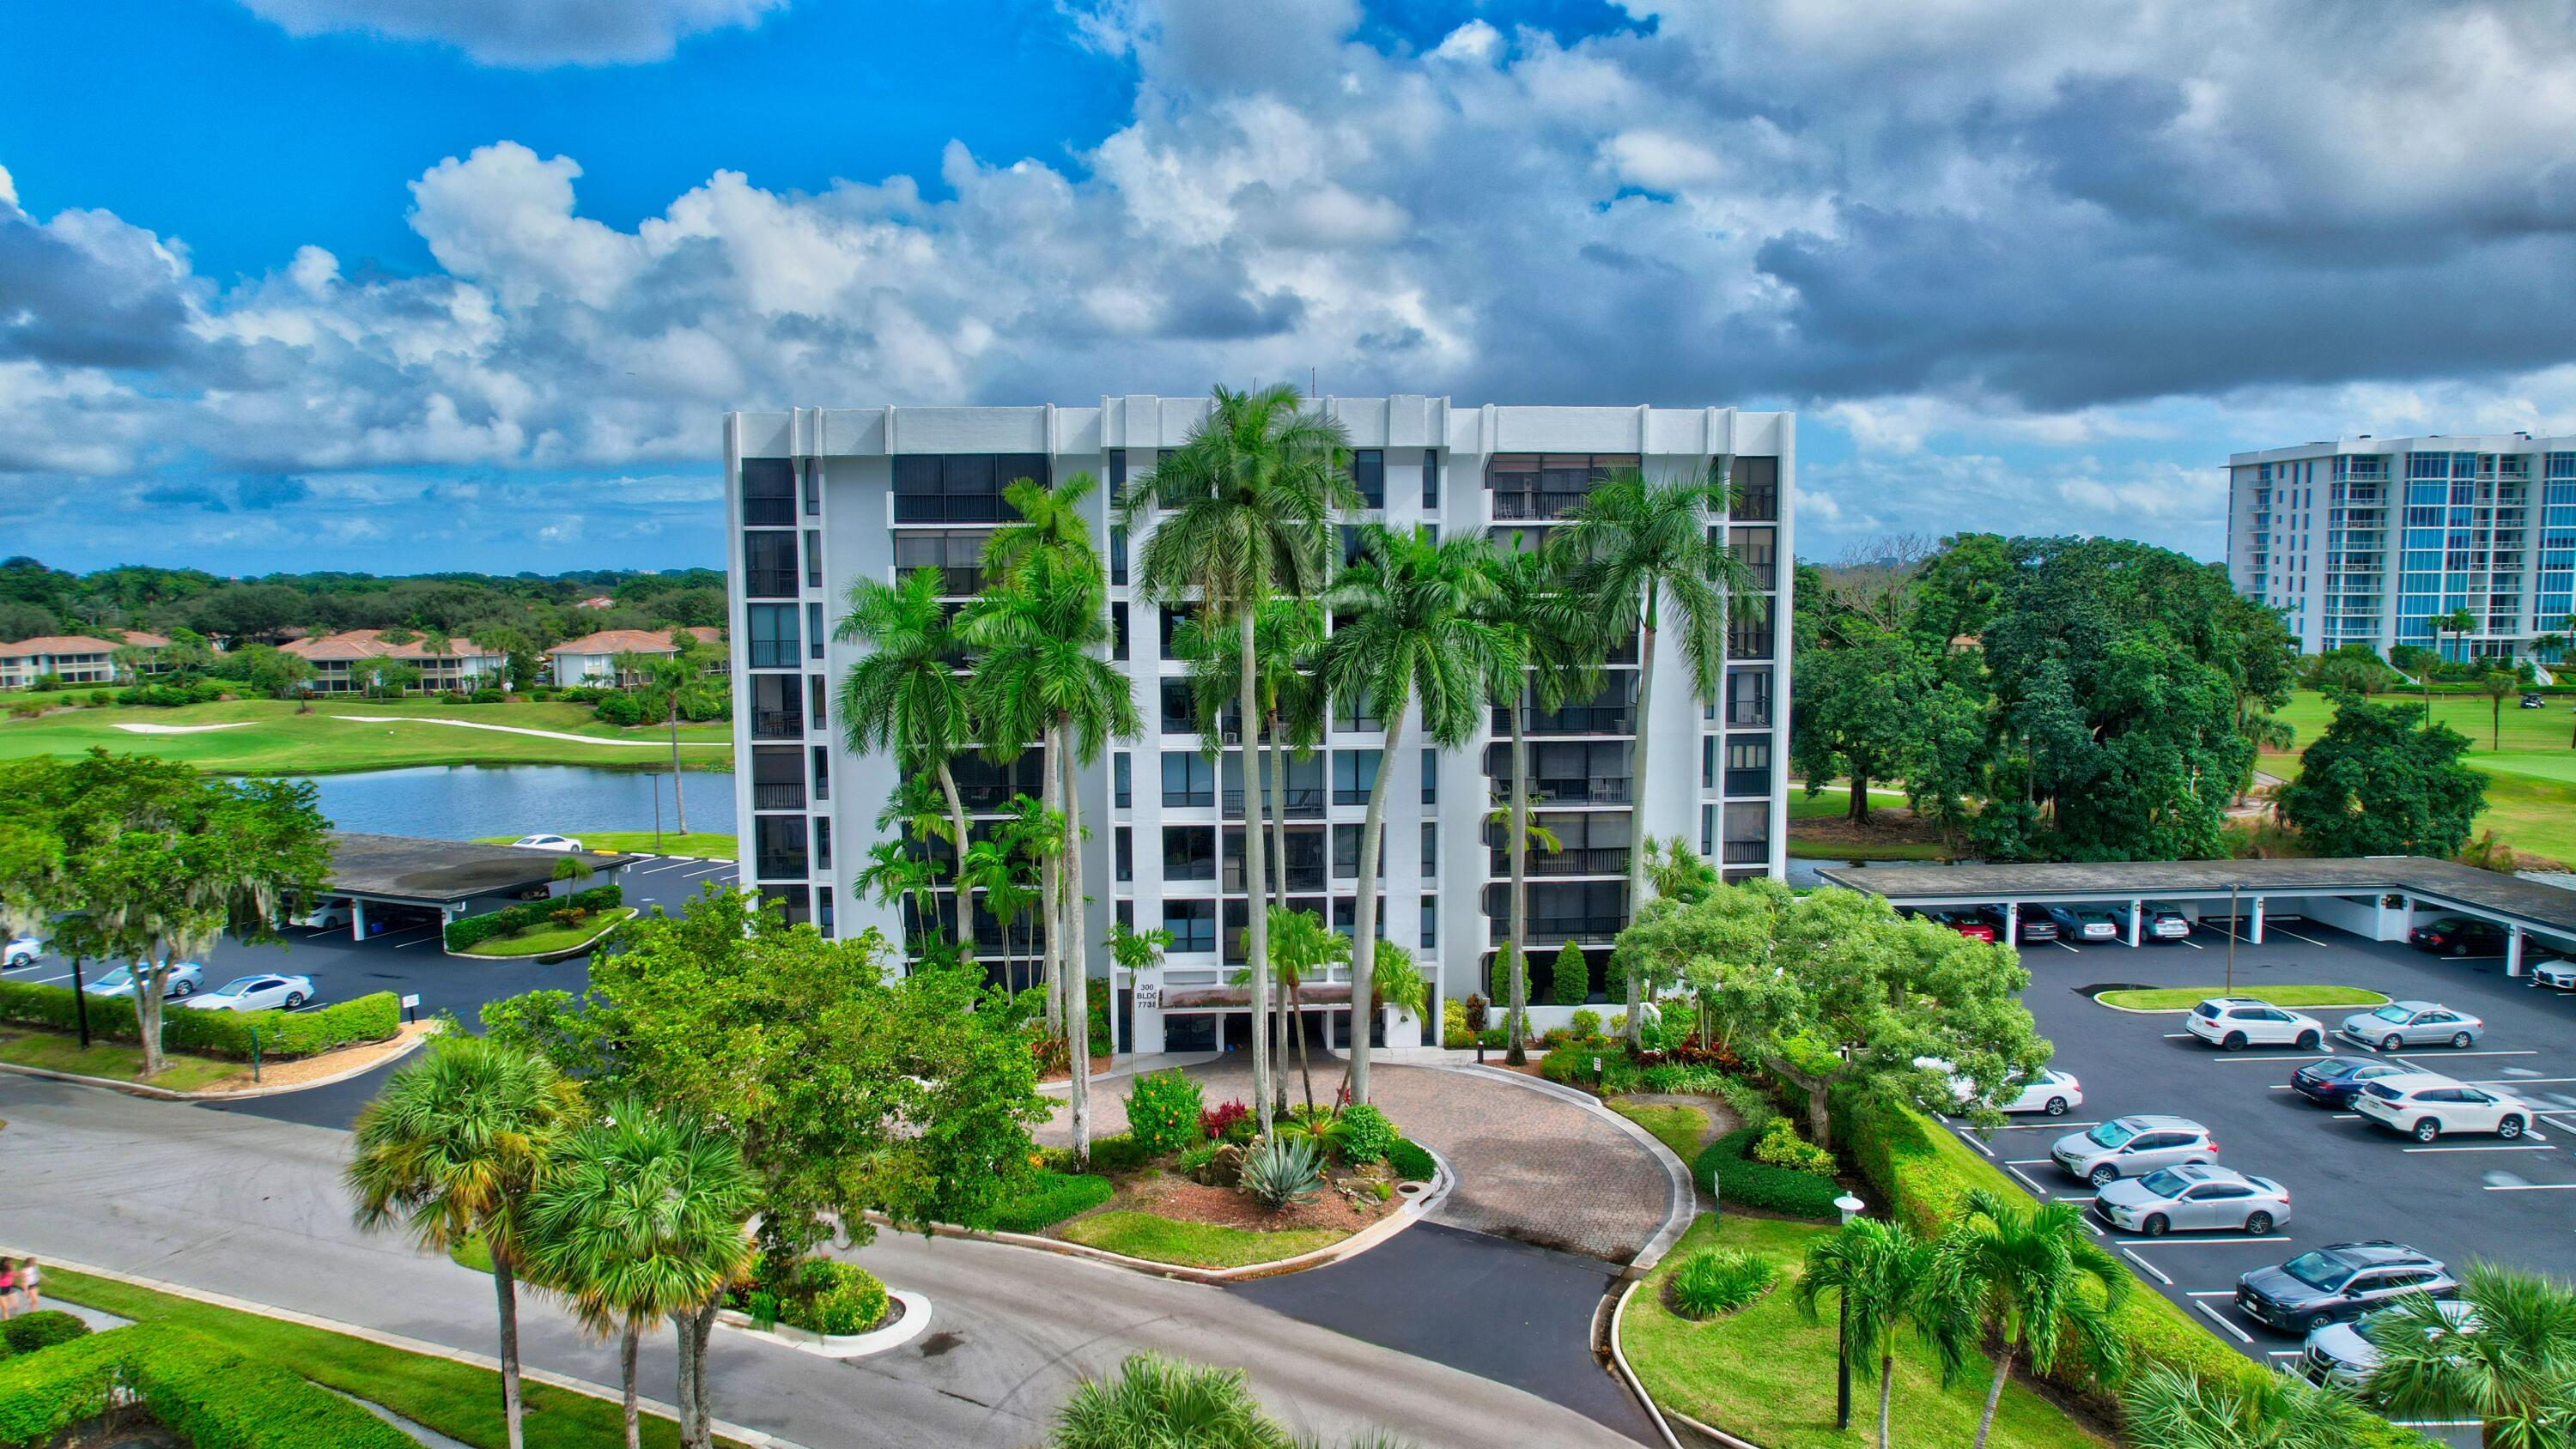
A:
(914, 1323)
(586, 1388)
(1682, 1199)
(1627, 1375)
(164, 1094)
(2186, 1011)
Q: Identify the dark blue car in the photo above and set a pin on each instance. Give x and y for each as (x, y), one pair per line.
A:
(2335, 1080)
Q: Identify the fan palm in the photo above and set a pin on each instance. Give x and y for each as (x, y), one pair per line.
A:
(643, 1218)
(1634, 550)
(1407, 638)
(906, 696)
(2513, 1370)
(2025, 1267)
(1887, 1280)
(2163, 1407)
(1241, 512)
(450, 1151)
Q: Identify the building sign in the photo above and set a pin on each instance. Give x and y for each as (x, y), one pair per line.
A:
(1149, 997)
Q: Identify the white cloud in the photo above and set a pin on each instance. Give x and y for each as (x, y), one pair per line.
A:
(523, 32)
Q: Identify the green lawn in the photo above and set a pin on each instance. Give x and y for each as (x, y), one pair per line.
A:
(1195, 1245)
(1835, 800)
(119, 1061)
(701, 843)
(549, 937)
(2531, 781)
(1766, 1374)
(456, 1399)
(2184, 998)
(269, 737)
(1842, 850)
(1674, 1125)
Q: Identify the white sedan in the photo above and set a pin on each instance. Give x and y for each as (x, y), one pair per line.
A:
(21, 951)
(2426, 1105)
(322, 915)
(547, 842)
(255, 993)
(184, 979)
(2051, 1091)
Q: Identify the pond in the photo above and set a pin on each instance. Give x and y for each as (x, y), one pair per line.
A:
(462, 802)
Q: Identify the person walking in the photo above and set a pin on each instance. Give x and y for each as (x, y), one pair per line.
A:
(8, 1288)
(28, 1281)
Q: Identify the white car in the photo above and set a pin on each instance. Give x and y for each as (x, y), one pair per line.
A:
(21, 951)
(2203, 1198)
(255, 993)
(2341, 1355)
(2237, 1022)
(2425, 1105)
(2558, 972)
(184, 979)
(2053, 1092)
(324, 914)
(547, 842)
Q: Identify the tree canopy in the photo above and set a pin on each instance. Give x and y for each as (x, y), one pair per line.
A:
(2376, 784)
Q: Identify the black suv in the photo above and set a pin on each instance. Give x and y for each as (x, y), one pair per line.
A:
(2338, 1283)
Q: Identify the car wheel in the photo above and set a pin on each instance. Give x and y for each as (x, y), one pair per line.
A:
(2460, 1039)
(183, 988)
(2391, 1042)
(2309, 1041)
(2155, 1226)
(2234, 1041)
(2320, 1320)
(2427, 1130)
(2104, 1176)
(2509, 1129)
(294, 999)
(2056, 1107)
(2259, 1224)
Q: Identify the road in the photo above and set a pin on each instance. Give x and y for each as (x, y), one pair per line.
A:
(252, 1207)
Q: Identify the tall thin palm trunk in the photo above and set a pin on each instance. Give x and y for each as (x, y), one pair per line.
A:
(1637, 787)
(1517, 1024)
(1886, 1386)
(1994, 1393)
(1077, 976)
(697, 1427)
(965, 896)
(1050, 876)
(626, 1345)
(505, 1288)
(1289, 1020)
(679, 807)
(1364, 933)
(1257, 945)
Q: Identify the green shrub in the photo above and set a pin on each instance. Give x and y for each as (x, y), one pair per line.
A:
(620, 709)
(1118, 1152)
(826, 1295)
(1047, 1198)
(1585, 1023)
(1366, 1135)
(29, 1332)
(1282, 1170)
(1498, 979)
(1751, 1100)
(42, 1394)
(101, 698)
(1571, 1065)
(1410, 1161)
(1191, 1161)
(212, 1033)
(1163, 1111)
(1453, 1025)
(473, 930)
(1712, 1281)
(1726, 1170)
(1569, 977)
(1781, 1146)
(206, 1394)
(489, 695)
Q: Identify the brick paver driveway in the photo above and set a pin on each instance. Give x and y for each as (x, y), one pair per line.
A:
(1530, 1166)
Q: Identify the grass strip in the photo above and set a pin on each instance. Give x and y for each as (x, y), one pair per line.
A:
(705, 844)
(1194, 1245)
(2184, 998)
(115, 1061)
(458, 1400)
(549, 937)
(1675, 1125)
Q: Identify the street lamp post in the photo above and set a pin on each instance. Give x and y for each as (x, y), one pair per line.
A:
(2233, 926)
(1849, 1206)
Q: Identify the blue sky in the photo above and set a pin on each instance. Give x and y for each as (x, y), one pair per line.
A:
(410, 284)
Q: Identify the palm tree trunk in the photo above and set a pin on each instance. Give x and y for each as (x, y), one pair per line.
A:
(1886, 1385)
(1637, 786)
(1279, 892)
(1077, 975)
(1257, 946)
(506, 1288)
(626, 1342)
(1994, 1394)
(1364, 937)
(1516, 1026)
(697, 1431)
(965, 897)
(686, 1397)
(679, 808)
(1050, 873)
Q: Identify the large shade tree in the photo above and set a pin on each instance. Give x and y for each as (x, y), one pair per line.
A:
(2374, 784)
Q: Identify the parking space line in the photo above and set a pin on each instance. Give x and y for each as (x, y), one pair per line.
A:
(2263, 1057)
(2029, 1161)
(2295, 936)
(2195, 945)
(708, 870)
(1973, 1142)
(2480, 1149)
(2241, 1335)
(2061, 945)
(2151, 1268)
(2514, 1081)
(2221, 1241)
(423, 941)
(2053, 1124)
(2408, 1056)
(2534, 1187)
(2283, 1352)
(2035, 1189)
(2210, 1293)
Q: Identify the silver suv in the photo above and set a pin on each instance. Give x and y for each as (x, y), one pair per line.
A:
(2132, 1146)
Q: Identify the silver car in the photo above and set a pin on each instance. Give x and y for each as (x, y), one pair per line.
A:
(2193, 1198)
(2341, 1355)
(2413, 1023)
(184, 979)
(2085, 924)
(2132, 1147)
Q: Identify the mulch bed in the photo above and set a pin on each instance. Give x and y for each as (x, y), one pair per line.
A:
(1177, 1197)
(1099, 1066)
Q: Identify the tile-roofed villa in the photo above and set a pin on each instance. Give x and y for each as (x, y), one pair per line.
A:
(460, 666)
(71, 658)
(592, 658)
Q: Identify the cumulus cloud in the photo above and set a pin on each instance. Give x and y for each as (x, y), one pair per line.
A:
(523, 32)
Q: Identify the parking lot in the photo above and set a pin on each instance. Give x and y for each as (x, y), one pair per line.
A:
(2459, 1199)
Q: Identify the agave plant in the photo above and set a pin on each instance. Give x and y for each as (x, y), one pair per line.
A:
(1281, 1170)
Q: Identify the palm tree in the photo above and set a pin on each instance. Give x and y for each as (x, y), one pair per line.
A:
(1302, 947)
(2495, 684)
(1886, 1279)
(2163, 1407)
(2460, 623)
(449, 1152)
(2513, 1370)
(1137, 950)
(895, 874)
(906, 696)
(1564, 657)
(2025, 1266)
(1241, 512)
(1042, 675)
(1408, 639)
(643, 1217)
(1631, 550)
(668, 680)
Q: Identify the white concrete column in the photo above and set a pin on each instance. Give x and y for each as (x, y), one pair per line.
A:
(2254, 937)
(2513, 950)
(2012, 923)
(357, 919)
(2137, 918)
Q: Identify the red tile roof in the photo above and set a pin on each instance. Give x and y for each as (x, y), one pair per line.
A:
(631, 641)
(352, 644)
(55, 644)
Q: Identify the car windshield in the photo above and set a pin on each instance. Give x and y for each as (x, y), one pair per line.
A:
(2110, 1134)
(2319, 1270)
(236, 986)
(2393, 1012)
(2165, 1182)
(114, 979)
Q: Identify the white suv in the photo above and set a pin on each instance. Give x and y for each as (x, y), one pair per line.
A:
(2424, 1105)
(2237, 1022)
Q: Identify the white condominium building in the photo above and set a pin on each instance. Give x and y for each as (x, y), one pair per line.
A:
(2375, 541)
(818, 499)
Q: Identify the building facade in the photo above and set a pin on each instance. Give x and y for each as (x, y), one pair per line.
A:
(77, 659)
(341, 662)
(592, 658)
(818, 499)
(2377, 541)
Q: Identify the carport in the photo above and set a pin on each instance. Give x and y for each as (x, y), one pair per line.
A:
(2379, 897)
(453, 878)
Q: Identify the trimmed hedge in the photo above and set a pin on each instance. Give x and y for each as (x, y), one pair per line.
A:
(1727, 1171)
(1049, 1198)
(33, 1332)
(207, 1394)
(473, 929)
(213, 1033)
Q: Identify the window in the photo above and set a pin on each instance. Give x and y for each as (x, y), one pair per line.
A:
(1758, 548)
(1748, 830)
(822, 773)
(779, 846)
(813, 558)
(1354, 773)
(774, 715)
(823, 911)
(791, 898)
(960, 487)
(1117, 474)
(1534, 486)
(777, 778)
(1189, 852)
(1346, 917)
(1126, 841)
(1346, 853)
(958, 554)
(1122, 775)
(1117, 555)
(813, 488)
(1189, 778)
(1430, 777)
(1355, 713)
(1748, 631)
(772, 635)
(1192, 924)
(815, 691)
(768, 565)
(822, 842)
(1755, 483)
(1748, 764)
(1368, 475)
(1430, 923)
(768, 492)
(1170, 623)
(813, 631)
(1430, 479)
(1430, 850)
(1118, 631)
(1351, 546)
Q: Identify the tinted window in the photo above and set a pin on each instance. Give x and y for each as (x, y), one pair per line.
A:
(2318, 1270)
(2109, 1134)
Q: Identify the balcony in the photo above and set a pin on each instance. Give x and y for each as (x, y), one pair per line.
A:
(1745, 852)
(1558, 928)
(777, 724)
(769, 511)
(953, 508)
(961, 583)
(1574, 719)
(1573, 860)
(1305, 802)
(1750, 780)
(1536, 507)
(778, 797)
(1577, 789)
(781, 865)
(769, 583)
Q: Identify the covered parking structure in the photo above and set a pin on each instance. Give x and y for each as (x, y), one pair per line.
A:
(452, 878)
(2379, 897)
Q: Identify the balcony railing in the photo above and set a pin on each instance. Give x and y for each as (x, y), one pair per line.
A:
(769, 511)
(1305, 802)
(1309, 877)
(1745, 852)
(1520, 507)
(769, 583)
(953, 508)
(775, 654)
(1574, 719)
(1559, 928)
(1576, 860)
(1756, 712)
(1576, 789)
(782, 865)
(1749, 781)
(789, 796)
(777, 724)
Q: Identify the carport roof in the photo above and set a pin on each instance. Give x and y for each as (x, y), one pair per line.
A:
(2441, 882)
(402, 867)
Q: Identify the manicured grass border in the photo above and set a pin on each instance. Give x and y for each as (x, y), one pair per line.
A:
(110, 1060)
(2184, 998)
(1676, 1125)
(703, 844)
(553, 940)
(1193, 1245)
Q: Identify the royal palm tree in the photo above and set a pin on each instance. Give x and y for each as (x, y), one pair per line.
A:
(1408, 638)
(1641, 555)
(1887, 1280)
(644, 1217)
(450, 1151)
(1563, 655)
(2027, 1267)
(1041, 674)
(2514, 1371)
(670, 681)
(2163, 1407)
(1240, 513)
(907, 697)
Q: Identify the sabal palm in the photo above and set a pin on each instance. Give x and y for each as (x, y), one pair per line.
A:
(1563, 655)
(2515, 1373)
(2026, 1267)
(450, 1151)
(906, 697)
(1240, 513)
(2163, 1407)
(643, 1217)
(1408, 638)
(1640, 556)
(1888, 1280)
